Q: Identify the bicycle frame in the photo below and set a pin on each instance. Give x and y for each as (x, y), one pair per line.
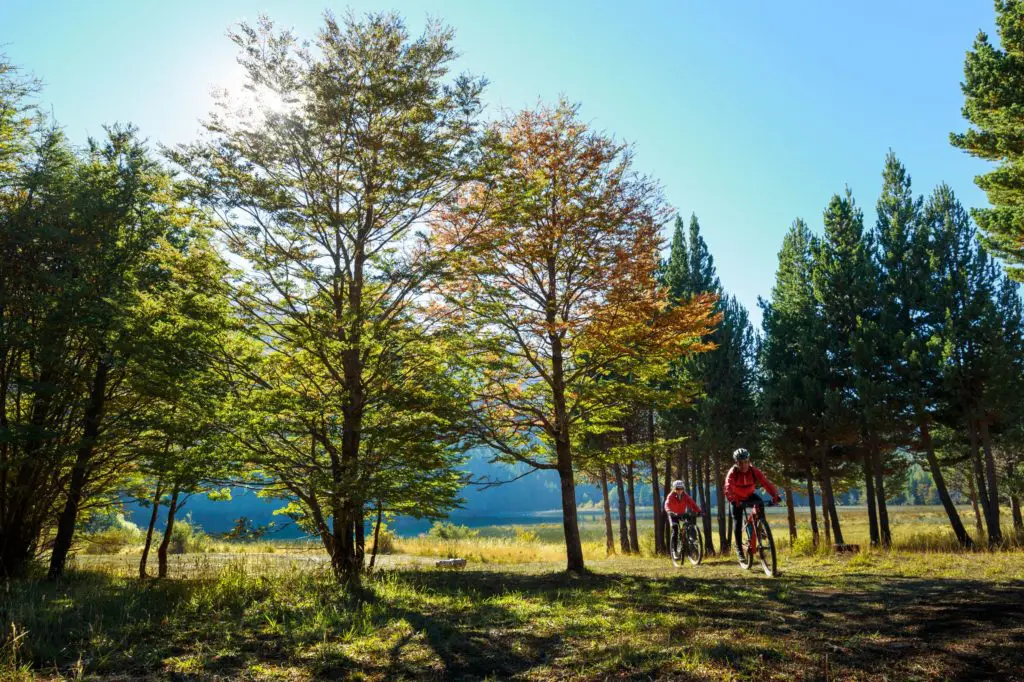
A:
(751, 520)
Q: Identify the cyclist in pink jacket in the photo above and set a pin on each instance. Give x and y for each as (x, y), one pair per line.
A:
(740, 485)
(678, 502)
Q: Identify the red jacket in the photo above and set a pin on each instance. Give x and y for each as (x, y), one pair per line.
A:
(677, 504)
(739, 485)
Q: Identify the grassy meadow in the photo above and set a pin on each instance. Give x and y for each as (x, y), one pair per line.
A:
(273, 612)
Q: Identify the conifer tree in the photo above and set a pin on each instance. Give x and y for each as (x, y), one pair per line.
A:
(992, 88)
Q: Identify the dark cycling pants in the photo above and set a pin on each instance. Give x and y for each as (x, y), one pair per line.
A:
(675, 521)
(737, 515)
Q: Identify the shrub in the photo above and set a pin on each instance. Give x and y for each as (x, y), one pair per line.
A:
(385, 540)
(445, 530)
(803, 545)
(113, 535)
(450, 534)
(188, 537)
(526, 536)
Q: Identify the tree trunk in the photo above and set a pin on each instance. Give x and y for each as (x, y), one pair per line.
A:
(684, 470)
(149, 531)
(376, 534)
(790, 511)
(609, 536)
(813, 505)
(995, 533)
(659, 536)
(979, 480)
(666, 526)
(709, 540)
(829, 497)
(979, 527)
(343, 541)
(570, 523)
(621, 495)
(940, 485)
(681, 466)
(634, 539)
(825, 522)
(360, 531)
(723, 540)
(1018, 519)
(161, 552)
(884, 531)
(19, 531)
(869, 490)
(76, 490)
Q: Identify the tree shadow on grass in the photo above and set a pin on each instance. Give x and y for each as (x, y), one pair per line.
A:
(868, 625)
(508, 624)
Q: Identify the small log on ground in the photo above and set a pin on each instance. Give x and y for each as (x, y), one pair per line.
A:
(450, 563)
(846, 549)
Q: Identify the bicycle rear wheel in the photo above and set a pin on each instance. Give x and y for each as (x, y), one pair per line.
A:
(694, 545)
(766, 548)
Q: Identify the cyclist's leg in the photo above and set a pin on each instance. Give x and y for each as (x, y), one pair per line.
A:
(737, 525)
(674, 520)
(758, 502)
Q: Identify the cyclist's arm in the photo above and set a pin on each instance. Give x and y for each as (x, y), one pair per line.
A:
(729, 480)
(766, 484)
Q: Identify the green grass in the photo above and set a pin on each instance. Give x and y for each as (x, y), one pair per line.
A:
(280, 616)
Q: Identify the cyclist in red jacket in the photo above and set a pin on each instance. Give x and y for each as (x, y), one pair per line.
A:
(740, 484)
(678, 502)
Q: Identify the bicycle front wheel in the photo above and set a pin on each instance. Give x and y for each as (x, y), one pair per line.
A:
(766, 548)
(695, 545)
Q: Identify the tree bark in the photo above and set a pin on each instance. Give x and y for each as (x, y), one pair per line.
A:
(869, 494)
(829, 497)
(570, 523)
(659, 536)
(813, 505)
(76, 490)
(709, 540)
(790, 511)
(161, 552)
(684, 470)
(1018, 519)
(19, 531)
(825, 522)
(940, 485)
(979, 480)
(621, 495)
(149, 531)
(884, 531)
(360, 532)
(995, 536)
(376, 534)
(973, 491)
(562, 438)
(634, 539)
(723, 540)
(609, 536)
(666, 526)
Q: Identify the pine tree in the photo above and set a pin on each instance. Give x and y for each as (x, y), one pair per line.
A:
(992, 88)
(970, 326)
(844, 285)
(791, 399)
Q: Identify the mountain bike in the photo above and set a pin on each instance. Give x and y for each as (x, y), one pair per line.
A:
(690, 541)
(759, 540)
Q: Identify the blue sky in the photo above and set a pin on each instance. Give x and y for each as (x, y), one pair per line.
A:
(750, 113)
